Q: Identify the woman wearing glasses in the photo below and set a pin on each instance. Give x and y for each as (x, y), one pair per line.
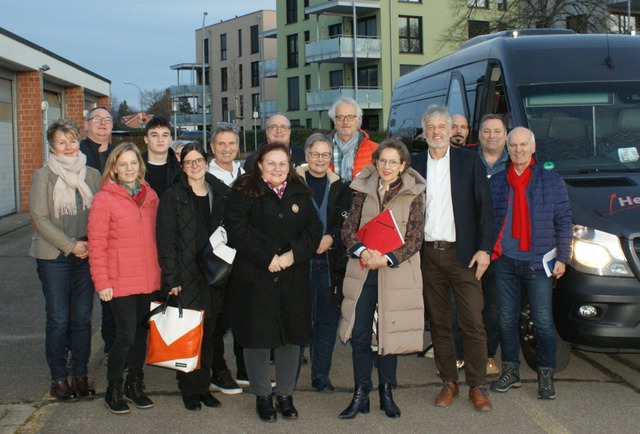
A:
(190, 211)
(387, 282)
(273, 225)
(332, 199)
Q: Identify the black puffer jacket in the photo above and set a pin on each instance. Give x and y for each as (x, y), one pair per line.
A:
(181, 234)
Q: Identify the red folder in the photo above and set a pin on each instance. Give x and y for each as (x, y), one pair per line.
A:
(381, 233)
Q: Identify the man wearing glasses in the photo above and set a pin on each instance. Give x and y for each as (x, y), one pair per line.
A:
(162, 165)
(279, 131)
(97, 146)
(352, 146)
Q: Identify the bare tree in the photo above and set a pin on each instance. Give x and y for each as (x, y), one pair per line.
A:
(471, 18)
(158, 102)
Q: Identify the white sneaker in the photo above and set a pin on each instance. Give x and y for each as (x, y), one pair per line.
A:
(429, 354)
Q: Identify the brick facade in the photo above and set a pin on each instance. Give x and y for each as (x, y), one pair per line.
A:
(74, 105)
(30, 131)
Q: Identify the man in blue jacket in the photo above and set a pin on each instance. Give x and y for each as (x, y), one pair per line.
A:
(532, 217)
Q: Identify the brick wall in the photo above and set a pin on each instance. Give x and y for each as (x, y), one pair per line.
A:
(30, 131)
(74, 105)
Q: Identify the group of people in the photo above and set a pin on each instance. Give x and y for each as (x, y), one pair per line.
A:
(301, 275)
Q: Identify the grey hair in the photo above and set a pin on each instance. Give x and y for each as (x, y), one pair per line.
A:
(344, 100)
(437, 110)
(316, 137)
(224, 128)
(532, 137)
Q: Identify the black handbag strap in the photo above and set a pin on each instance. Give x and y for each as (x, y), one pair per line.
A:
(163, 308)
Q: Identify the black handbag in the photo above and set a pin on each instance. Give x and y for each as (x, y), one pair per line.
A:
(216, 270)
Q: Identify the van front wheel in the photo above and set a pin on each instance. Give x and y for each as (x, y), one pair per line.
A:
(529, 341)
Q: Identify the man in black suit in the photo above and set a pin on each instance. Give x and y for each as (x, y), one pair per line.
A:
(456, 253)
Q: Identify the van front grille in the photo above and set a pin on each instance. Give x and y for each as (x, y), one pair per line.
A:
(600, 182)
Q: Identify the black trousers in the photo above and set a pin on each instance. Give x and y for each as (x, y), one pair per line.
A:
(197, 382)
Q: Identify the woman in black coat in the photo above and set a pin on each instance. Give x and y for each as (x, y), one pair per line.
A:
(275, 228)
(189, 212)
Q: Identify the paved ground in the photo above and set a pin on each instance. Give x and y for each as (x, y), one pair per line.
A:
(597, 392)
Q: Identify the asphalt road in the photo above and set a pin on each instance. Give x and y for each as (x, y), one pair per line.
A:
(597, 393)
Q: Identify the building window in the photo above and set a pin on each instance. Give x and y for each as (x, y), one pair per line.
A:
(255, 40)
(477, 28)
(309, 123)
(621, 24)
(307, 82)
(225, 107)
(206, 50)
(410, 1)
(502, 5)
(478, 4)
(336, 78)
(255, 74)
(293, 86)
(241, 106)
(335, 30)
(223, 46)
(405, 69)
(306, 5)
(368, 26)
(224, 80)
(410, 34)
(239, 42)
(240, 74)
(577, 23)
(368, 76)
(292, 11)
(292, 51)
(255, 102)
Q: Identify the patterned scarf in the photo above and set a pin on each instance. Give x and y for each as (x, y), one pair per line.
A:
(279, 190)
(348, 153)
(521, 223)
(72, 172)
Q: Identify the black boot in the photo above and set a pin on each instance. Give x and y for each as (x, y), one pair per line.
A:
(134, 391)
(264, 407)
(285, 405)
(359, 403)
(114, 400)
(386, 401)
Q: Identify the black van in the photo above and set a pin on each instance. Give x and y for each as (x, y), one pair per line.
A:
(580, 95)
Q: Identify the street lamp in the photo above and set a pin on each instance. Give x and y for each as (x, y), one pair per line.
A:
(140, 90)
(204, 96)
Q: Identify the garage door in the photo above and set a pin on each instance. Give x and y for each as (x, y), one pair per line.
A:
(7, 154)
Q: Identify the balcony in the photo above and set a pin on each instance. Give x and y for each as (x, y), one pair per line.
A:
(269, 68)
(322, 99)
(340, 49)
(188, 90)
(268, 108)
(182, 119)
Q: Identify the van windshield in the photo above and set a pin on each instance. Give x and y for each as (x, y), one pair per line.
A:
(585, 127)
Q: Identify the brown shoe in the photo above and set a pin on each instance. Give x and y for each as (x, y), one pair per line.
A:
(62, 391)
(479, 396)
(82, 387)
(447, 393)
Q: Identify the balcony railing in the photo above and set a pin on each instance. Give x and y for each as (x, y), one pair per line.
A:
(268, 108)
(188, 90)
(183, 119)
(269, 68)
(340, 49)
(322, 99)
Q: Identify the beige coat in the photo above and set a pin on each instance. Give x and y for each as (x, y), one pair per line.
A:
(400, 303)
(49, 238)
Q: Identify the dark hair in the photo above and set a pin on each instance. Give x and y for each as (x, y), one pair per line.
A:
(192, 146)
(157, 122)
(251, 183)
(494, 116)
(398, 145)
(64, 126)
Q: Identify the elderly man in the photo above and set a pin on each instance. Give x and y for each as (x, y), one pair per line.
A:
(352, 146)
(493, 138)
(279, 131)
(456, 253)
(523, 194)
(97, 146)
(459, 131)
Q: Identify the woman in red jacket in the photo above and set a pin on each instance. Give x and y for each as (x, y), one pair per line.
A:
(124, 267)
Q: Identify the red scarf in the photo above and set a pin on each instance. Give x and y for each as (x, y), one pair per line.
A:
(279, 190)
(520, 220)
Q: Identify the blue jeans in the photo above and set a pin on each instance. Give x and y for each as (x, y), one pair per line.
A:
(513, 276)
(68, 294)
(326, 316)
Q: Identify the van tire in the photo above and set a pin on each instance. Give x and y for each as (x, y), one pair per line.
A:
(529, 342)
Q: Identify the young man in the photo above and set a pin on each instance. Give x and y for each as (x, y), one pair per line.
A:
(162, 165)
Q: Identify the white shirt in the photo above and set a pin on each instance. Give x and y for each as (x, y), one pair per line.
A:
(223, 174)
(439, 221)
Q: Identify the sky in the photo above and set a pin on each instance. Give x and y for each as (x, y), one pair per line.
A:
(135, 41)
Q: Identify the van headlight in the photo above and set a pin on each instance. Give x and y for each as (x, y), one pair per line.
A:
(599, 253)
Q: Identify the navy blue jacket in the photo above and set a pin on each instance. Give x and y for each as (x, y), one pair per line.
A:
(549, 208)
(472, 209)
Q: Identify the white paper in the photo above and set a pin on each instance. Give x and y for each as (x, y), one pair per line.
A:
(548, 258)
(218, 241)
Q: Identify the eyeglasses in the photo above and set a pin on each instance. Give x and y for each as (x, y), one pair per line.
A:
(349, 118)
(193, 163)
(279, 127)
(391, 163)
(100, 119)
(318, 155)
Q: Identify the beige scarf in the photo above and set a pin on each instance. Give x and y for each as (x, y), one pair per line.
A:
(72, 172)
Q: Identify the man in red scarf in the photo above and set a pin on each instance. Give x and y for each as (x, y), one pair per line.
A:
(532, 219)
